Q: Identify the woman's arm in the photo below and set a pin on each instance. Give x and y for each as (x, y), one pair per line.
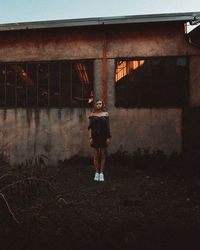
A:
(90, 136)
(90, 133)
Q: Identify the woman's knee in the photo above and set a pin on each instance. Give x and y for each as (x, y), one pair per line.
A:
(95, 153)
(103, 152)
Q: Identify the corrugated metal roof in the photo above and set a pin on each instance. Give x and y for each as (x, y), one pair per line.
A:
(171, 17)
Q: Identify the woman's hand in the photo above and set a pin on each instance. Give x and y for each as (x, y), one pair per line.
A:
(91, 141)
(108, 141)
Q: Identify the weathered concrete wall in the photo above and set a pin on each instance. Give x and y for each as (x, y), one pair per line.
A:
(59, 134)
(150, 40)
(98, 79)
(158, 129)
(122, 41)
(50, 45)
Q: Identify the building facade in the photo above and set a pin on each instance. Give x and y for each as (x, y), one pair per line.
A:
(144, 67)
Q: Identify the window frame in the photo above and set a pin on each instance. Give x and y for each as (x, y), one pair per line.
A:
(5, 65)
(186, 84)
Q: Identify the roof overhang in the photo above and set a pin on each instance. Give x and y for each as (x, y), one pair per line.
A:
(191, 17)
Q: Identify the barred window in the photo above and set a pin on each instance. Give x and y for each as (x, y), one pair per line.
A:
(151, 82)
(46, 84)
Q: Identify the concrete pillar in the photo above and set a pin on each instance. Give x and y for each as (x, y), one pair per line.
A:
(98, 79)
(111, 85)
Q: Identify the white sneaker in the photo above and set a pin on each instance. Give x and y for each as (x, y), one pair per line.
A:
(101, 177)
(96, 177)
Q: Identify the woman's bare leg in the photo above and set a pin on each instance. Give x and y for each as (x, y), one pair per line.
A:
(95, 155)
(103, 158)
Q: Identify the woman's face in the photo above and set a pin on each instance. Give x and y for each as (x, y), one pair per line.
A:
(99, 105)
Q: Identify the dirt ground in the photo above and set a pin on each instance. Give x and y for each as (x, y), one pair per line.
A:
(140, 205)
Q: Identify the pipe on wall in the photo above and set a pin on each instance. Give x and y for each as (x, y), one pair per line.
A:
(105, 70)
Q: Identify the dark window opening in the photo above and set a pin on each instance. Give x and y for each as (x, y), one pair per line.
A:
(21, 85)
(43, 84)
(54, 83)
(66, 72)
(152, 82)
(2, 84)
(32, 85)
(81, 90)
(10, 85)
(47, 84)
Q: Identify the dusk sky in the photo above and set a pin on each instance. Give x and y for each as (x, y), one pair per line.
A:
(12, 11)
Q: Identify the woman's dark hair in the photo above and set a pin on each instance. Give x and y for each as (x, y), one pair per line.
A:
(103, 105)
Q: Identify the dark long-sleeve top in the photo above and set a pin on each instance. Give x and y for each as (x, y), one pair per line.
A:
(100, 126)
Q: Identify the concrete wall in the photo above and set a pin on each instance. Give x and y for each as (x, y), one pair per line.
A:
(50, 45)
(122, 41)
(56, 134)
(59, 134)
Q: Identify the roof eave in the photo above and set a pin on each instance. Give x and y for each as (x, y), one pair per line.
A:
(173, 17)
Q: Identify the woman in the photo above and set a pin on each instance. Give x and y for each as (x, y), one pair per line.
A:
(99, 134)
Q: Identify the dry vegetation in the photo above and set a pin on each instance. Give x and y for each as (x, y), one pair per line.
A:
(148, 201)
